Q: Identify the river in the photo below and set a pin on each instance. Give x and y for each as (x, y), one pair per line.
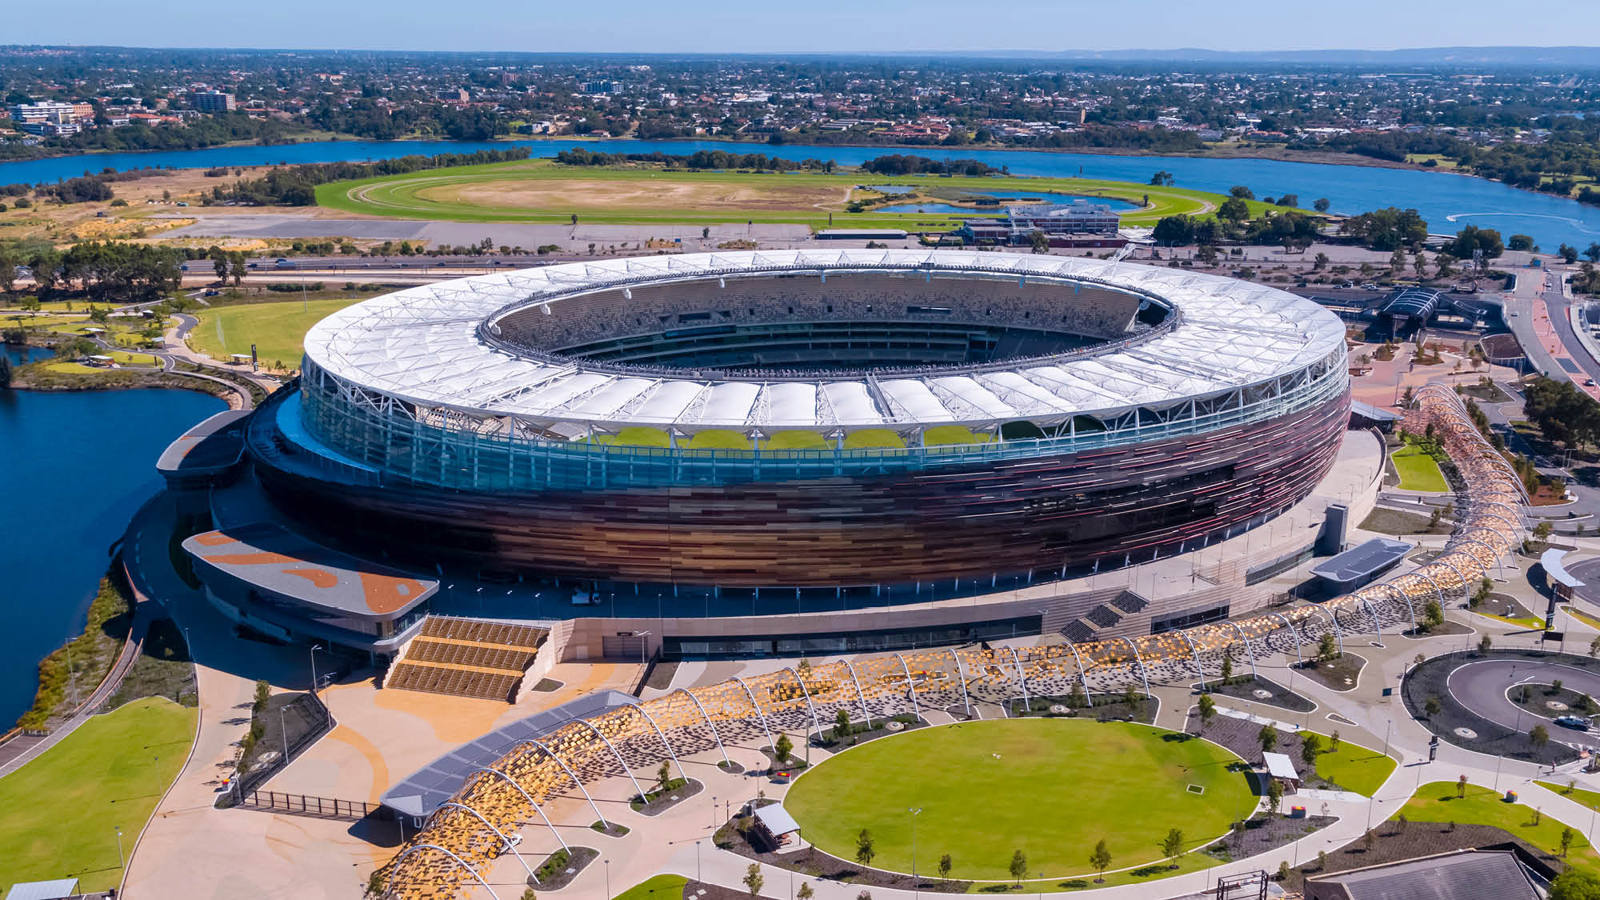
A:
(74, 467)
(1445, 200)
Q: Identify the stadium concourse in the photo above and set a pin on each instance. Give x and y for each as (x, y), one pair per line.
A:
(463, 837)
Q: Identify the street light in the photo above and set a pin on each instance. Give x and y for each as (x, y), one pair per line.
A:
(122, 861)
(702, 880)
(608, 879)
(914, 813)
(314, 649)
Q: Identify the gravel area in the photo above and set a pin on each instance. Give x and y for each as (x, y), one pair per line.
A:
(860, 733)
(1430, 680)
(1393, 844)
(556, 873)
(1266, 833)
(661, 801)
(814, 863)
(1543, 700)
(1113, 708)
(1247, 688)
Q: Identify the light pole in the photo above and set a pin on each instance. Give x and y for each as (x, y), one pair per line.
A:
(122, 861)
(697, 862)
(314, 649)
(285, 731)
(914, 813)
(608, 879)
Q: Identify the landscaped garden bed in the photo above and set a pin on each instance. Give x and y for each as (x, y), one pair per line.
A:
(1253, 687)
(1340, 673)
(1128, 706)
(665, 796)
(852, 733)
(560, 867)
(1550, 701)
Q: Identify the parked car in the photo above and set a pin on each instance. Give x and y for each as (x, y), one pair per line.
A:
(1576, 723)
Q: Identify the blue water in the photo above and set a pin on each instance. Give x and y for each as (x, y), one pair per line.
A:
(74, 467)
(1017, 196)
(1447, 201)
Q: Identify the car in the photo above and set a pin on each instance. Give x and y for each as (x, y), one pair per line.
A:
(1370, 286)
(1588, 382)
(1513, 314)
(1576, 723)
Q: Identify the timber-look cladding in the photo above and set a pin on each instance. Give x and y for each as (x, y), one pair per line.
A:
(1009, 517)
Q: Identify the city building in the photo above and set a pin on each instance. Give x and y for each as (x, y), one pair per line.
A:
(212, 101)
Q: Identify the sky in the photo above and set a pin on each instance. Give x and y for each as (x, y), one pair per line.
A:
(662, 26)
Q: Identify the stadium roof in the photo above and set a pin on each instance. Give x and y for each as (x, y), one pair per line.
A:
(424, 346)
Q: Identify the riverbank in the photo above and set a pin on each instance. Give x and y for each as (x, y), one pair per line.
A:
(73, 672)
(50, 376)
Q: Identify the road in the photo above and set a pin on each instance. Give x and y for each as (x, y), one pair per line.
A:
(1482, 686)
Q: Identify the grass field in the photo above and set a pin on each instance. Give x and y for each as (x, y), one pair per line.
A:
(1049, 787)
(1437, 802)
(277, 329)
(659, 887)
(543, 191)
(1355, 768)
(64, 808)
(1579, 796)
(1418, 471)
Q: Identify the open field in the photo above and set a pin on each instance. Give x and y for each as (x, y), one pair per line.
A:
(544, 191)
(1418, 471)
(1049, 787)
(1437, 802)
(660, 887)
(64, 808)
(276, 329)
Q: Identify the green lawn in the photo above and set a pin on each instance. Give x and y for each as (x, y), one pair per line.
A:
(524, 192)
(659, 887)
(1582, 616)
(1437, 802)
(276, 329)
(1354, 767)
(1418, 471)
(1579, 796)
(1049, 787)
(64, 808)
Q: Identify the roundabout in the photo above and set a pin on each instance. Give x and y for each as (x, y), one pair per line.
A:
(1051, 788)
(1476, 711)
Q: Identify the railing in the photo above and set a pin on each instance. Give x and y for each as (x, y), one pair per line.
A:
(314, 807)
(312, 709)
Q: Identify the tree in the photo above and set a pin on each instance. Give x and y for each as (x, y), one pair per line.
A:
(1233, 210)
(805, 892)
(1173, 844)
(1289, 200)
(1484, 643)
(1322, 204)
(1162, 178)
(1432, 614)
(1283, 872)
(1327, 647)
(782, 747)
(841, 724)
(1274, 794)
(1268, 736)
(1568, 253)
(1019, 865)
(1369, 841)
(1208, 710)
(1519, 242)
(1038, 241)
(1310, 746)
(865, 850)
(664, 777)
(945, 865)
(1575, 884)
(1592, 252)
(1333, 739)
(753, 879)
(1101, 860)
(706, 233)
(1319, 262)
(1322, 860)
(1174, 231)
(375, 883)
(1538, 737)
(1566, 841)
(1227, 666)
(1242, 192)
(1461, 787)
(263, 693)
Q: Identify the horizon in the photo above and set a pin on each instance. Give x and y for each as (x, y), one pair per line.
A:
(827, 27)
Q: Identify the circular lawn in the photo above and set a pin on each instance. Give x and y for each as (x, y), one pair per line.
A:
(1049, 787)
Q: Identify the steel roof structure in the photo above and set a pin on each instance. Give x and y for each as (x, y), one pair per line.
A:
(435, 347)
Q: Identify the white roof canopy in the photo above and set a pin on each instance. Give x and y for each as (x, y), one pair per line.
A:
(422, 345)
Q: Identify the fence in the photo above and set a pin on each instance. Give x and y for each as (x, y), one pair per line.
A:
(314, 807)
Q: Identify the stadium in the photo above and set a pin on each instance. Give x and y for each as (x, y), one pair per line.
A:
(889, 423)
